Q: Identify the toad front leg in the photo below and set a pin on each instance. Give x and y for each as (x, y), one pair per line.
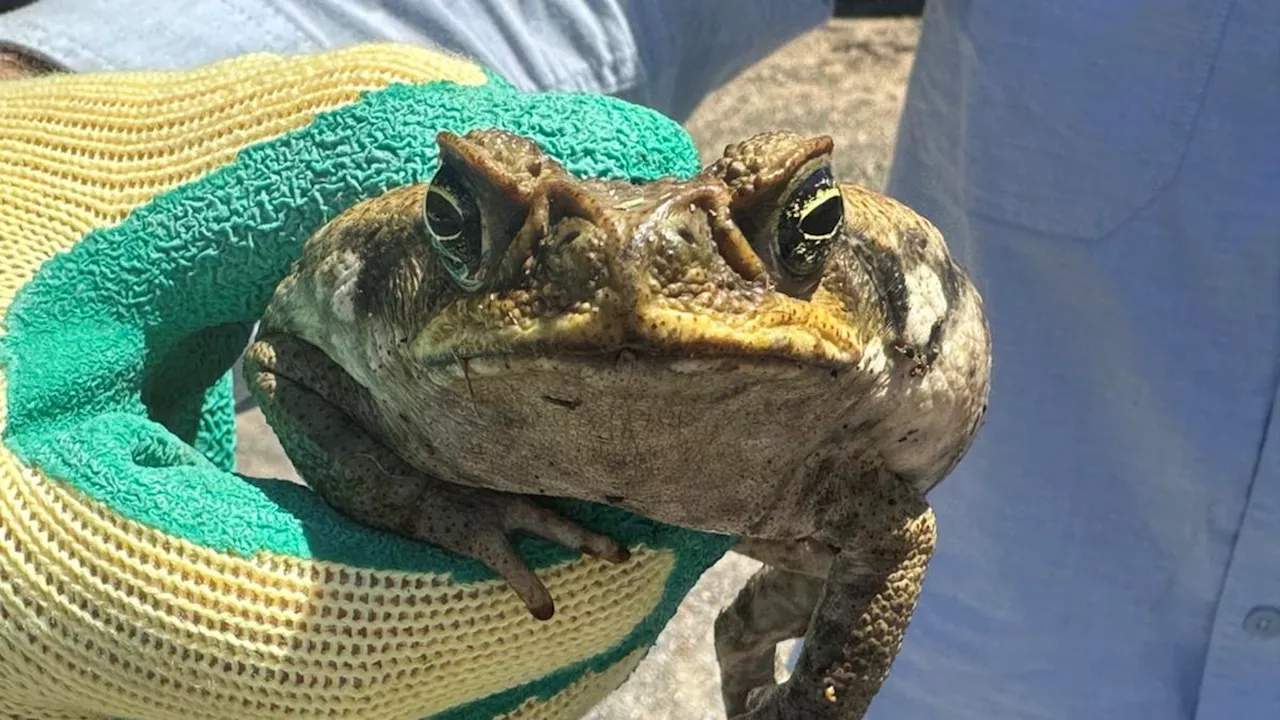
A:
(861, 614)
(321, 414)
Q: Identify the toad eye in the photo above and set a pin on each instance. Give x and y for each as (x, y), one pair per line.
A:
(811, 218)
(452, 219)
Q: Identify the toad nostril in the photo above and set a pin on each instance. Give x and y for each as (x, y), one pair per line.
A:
(686, 235)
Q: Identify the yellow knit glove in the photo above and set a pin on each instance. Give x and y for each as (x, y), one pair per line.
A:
(144, 219)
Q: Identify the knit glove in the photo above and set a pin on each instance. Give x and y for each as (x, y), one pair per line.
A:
(144, 220)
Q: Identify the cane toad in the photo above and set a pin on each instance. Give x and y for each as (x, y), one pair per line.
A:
(757, 350)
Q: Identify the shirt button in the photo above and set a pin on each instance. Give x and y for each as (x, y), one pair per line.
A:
(1263, 621)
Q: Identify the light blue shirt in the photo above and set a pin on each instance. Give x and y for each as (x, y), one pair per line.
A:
(666, 54)
(1110, 173)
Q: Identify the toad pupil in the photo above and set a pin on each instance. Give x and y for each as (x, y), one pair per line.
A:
(824, 219)
(452, 218)
(809, 223)
(443, 218)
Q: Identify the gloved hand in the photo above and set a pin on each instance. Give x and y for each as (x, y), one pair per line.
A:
(144, 220)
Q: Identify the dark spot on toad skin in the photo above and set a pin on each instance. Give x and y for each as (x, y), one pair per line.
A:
(951, 284)
(383, 255)
(563, 402)
(915, 240)
(884, 267)
(933, 346)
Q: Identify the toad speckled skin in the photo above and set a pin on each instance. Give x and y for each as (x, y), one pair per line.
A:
(756, 350)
